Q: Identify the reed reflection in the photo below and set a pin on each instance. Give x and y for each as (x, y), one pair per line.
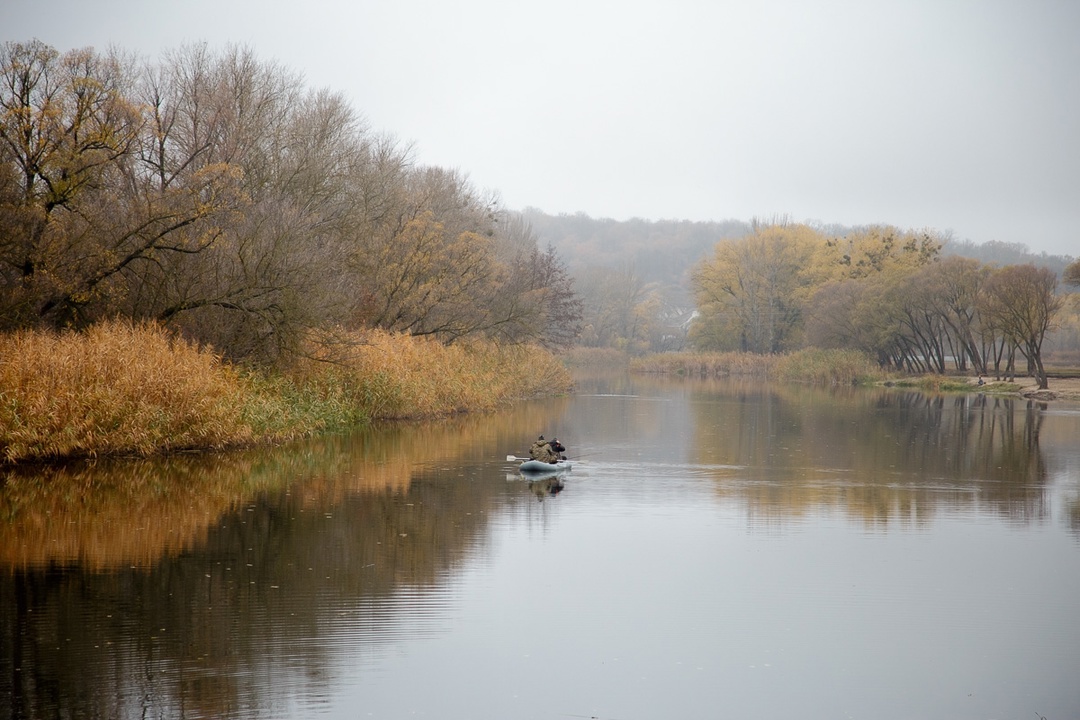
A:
(230, 585)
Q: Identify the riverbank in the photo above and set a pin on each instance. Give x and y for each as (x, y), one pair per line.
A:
(119, 389)
(1060, 388)
(839, 367)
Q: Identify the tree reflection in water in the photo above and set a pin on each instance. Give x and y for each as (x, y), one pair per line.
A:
(880, 455)
(244, 584)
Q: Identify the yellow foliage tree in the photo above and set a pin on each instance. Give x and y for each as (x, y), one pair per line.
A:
(751, 293)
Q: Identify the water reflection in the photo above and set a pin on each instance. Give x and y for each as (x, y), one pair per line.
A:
(879, 454)
(261, 583)
(199, 586)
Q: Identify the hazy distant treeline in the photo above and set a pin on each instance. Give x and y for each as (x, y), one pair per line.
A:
(637, 280)
(215, 193)
(665, 250)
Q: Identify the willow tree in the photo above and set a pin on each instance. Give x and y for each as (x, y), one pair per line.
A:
(1021, 301)
(956, 287)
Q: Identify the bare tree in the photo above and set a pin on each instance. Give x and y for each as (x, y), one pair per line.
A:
(1021, 301)
(65, 124)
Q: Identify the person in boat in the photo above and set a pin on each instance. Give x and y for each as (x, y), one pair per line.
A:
(559, 448)
(543, 451)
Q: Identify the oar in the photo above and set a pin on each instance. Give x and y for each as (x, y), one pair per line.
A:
(515, 458)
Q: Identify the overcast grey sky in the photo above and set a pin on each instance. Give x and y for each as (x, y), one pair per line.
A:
(959, 115)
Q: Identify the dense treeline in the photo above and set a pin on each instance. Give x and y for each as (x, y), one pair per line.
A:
(635, 276)
(215, 194)
(888, 293)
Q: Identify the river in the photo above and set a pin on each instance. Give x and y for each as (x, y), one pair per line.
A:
(719, 549)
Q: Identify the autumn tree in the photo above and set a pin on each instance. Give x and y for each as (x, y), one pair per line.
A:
(65, 125)
(957, 287)
(870, 251)
(1071, 276)
(619, 309)
(212, 192)
(1021, 301)
(539, 300)
(256, 281)
(752, 292)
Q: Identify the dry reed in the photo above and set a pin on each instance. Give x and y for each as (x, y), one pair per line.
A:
(706, 364)
(582, 357)
(827, 367)
(123, 389)
(811, 365)
(393, 376)
(115, 389)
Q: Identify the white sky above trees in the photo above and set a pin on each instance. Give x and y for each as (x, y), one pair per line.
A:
(959, 115)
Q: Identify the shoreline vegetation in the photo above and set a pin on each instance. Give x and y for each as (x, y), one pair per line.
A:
(119, 389)
(812, 366)
(123, 389)
(842, 367)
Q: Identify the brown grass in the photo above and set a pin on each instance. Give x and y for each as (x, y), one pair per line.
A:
(706, 364)
(583, 357)
(827, 367)
(818, 367)
(115, 389)
(123, 389)
(395, 376)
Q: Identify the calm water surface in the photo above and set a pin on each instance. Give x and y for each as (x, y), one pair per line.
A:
(720, 550)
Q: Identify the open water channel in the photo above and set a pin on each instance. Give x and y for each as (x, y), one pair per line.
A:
(720, 550)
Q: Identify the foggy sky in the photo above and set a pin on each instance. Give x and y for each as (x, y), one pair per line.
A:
(953, 115)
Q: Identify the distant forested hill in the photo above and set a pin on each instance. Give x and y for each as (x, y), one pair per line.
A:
(663, 251)
(1003, 253)
(657, 250)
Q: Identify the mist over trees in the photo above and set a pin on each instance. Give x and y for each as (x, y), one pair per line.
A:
(633, 276)
(914, 300)
(215, 193)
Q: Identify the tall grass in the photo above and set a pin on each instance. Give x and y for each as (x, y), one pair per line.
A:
(122, 389)
(820, 367)
(394, 376)
(589, 358)
(706, 364)
(827, 367)
(114, 389)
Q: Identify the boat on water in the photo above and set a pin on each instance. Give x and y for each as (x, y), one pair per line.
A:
(538, 467)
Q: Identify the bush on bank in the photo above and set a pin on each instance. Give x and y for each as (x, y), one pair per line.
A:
(822, 367)
(123, 389)
(706, 364)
